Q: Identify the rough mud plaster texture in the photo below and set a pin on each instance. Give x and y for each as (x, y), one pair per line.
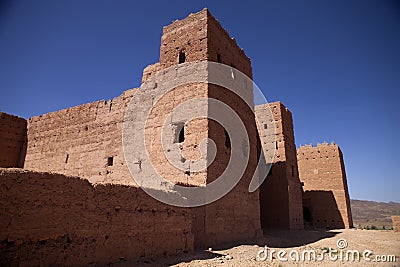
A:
(201, 38)
(326, 194)
(12, 141)
(79, 141)
(281, 192)
(51, 219)
(396, 223)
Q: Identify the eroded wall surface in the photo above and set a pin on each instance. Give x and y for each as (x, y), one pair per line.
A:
(84, 141)
(326, 195)
(51, 219)
(12, 141)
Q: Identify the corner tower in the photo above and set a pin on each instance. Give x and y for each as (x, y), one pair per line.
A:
(198, 37)
(281, 192)
(326, 198)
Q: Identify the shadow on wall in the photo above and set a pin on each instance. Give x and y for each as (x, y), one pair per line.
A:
(50, 219)
(320, 210)
(274, 199)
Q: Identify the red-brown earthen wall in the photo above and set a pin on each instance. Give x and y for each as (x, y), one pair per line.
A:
(326, 193)
(396, 223)
(79, 140)
(12, 141)
(281, 192)
(51, 219)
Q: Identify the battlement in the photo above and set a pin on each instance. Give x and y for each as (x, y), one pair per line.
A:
(199, 37)
(323, 174)
(324, 144)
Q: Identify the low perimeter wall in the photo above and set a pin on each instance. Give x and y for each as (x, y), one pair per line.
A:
(396, 223)
(52, 219)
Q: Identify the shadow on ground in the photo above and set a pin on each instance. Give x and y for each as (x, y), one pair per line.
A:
(289, 239)
(172, 260)
(273, 239)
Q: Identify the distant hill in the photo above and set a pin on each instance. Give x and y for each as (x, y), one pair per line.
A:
(371, 213)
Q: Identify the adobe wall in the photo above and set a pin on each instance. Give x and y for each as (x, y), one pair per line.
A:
(78, 141)
(51, 219)
(281, 192)
(326, 195)
(396, 223)
(201, 37)
(12, 141)
(236, 216)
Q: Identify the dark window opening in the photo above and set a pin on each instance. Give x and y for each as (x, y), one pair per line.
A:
(219, 58)
(110, 161)
(181, 137)
(270, 172)
(265, 126)
(227, 140)
(66, 158)
(182, 57)
(307, 214)
(276, 145)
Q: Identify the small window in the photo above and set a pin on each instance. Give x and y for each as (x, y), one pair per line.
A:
(181, 137)
(265, 126)
(66, 158)
(227, 140)
(110, 161)
(276, 145)
(219, 58)
(182, 57)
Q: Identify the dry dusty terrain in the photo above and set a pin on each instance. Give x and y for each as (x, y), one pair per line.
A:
(245, 254)
(373, 214)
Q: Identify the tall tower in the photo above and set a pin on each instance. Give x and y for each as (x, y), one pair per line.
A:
(281, 192)
(326, 196)
(200, 37)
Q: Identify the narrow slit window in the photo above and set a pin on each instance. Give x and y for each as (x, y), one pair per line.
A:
(182, 57)
(219, 58)
(110, 161)
(66, 158)
(227, 140)
(292, 171)
(181, 137)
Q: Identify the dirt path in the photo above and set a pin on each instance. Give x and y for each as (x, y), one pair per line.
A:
(382, 244)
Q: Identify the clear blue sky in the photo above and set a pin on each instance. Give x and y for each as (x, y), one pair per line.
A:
(335, 64)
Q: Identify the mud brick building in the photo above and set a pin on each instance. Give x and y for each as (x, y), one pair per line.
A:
(67, 195)
(323, 173)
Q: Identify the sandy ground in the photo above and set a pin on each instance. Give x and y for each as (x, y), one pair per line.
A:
(382, 244)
